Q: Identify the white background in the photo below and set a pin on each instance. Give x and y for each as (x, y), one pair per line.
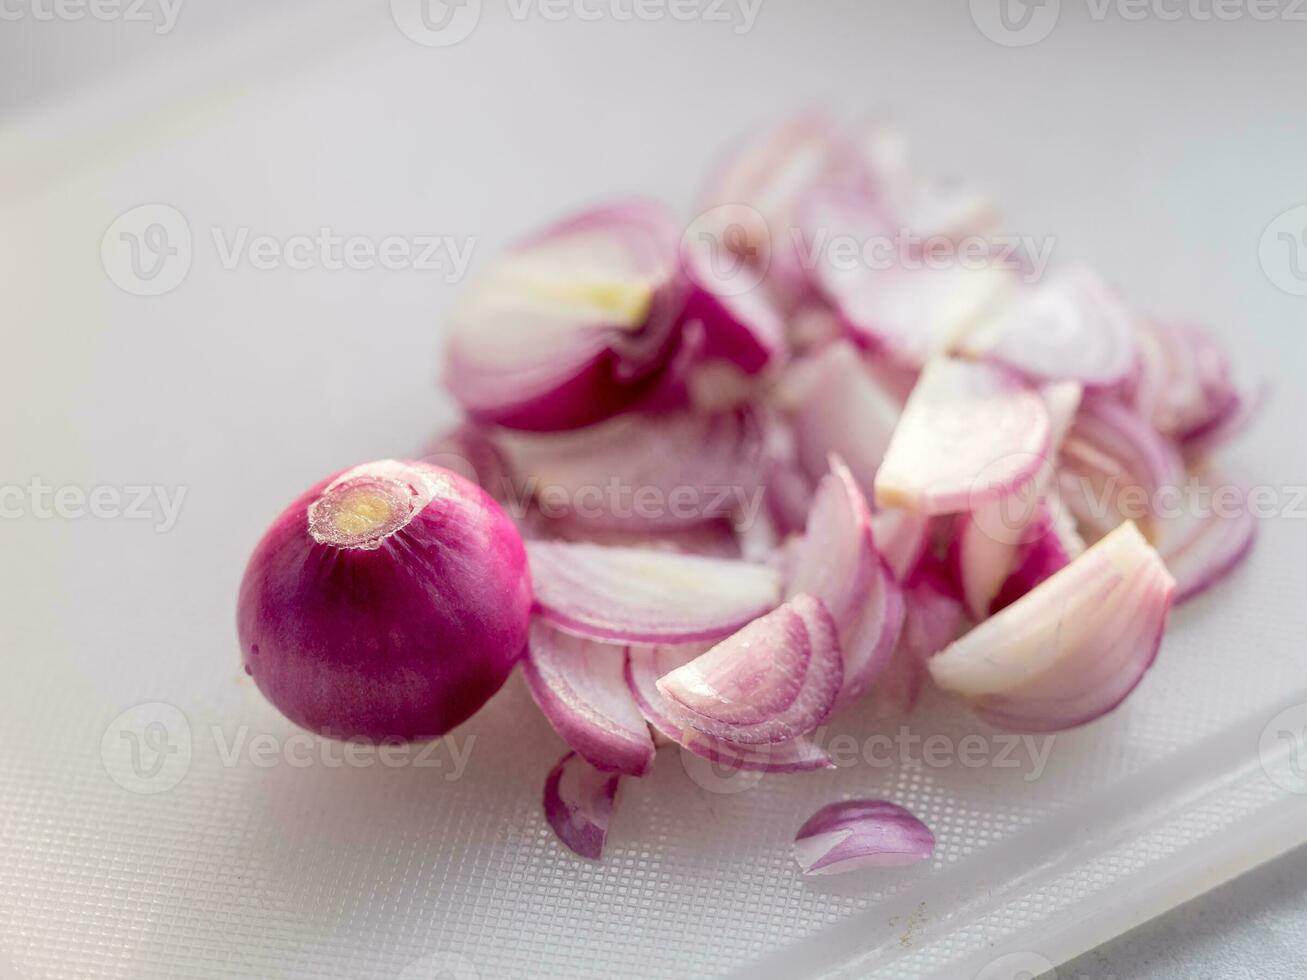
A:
(1157, 150)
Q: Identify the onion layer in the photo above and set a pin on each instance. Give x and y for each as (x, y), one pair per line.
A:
(633, 595)
(581, 687)
(970, 433)
(856, 834)
(389, 601)
(571, 326)
(1072, 648)
(579, 802)
(1204, 545)
(774, 680)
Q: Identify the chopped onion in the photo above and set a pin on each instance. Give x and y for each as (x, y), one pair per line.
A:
(970, 433)
(639, 596)
(1204, 545)
(1072, 648)
(838, 562)
(1071, 326)
(580, 685)
(774, 680)
(902, 538)
(571, 326)
(933, 617)
(389, 601)
(912, 311)
(579, 802)
(645, 665)
(742, 323)
(854, 834)
(641, 472)
(836, 406)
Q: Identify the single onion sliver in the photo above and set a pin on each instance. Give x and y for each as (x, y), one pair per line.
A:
(854, 834)
(741, 323)
(646, 664)
(932, 619)
(580, 685)
(1071, 326)
(1072, 648)
(635, 595)
(837, 406)
(970, 433)
(774, 680)
(1204, 545)
(571, 326)
(579, 802)
(902, 538)
(645, 471)
(837, 561)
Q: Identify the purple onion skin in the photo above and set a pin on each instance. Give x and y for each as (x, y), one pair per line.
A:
(400, 642)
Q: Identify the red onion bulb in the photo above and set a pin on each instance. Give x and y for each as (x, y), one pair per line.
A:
(387, 602)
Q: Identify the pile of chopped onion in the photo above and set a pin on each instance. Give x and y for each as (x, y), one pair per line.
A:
(757, 485)
(912, 474)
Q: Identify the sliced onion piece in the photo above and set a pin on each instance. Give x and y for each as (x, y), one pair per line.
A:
(580, 685)
(1114, 467)
(1072, 326)
(912, 310)
(1054, 543)
(742, 324)
(1205, 543)
(645, 665)
(902, 538)
(579, 802)
(571, 326)
(837, 406)
(639, 596)
(1071, 649)
(933, 617)
(774, 680)
(854, 834)
(645, 472)
(837, 561)
(970, 433)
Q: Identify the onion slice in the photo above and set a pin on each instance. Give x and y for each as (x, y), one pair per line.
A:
(635, 595)
(1071, 649)
(933, 617)
(645, 665)
(837, 561)
(837, 406)
(1204, 545)
(580, 685)
(579, 802)
(570, 326)
(1071, 326)
(970, 433)
(645, 471)
(774, 680)
(854, 834)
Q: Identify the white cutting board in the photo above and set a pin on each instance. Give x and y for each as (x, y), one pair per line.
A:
(241, 387)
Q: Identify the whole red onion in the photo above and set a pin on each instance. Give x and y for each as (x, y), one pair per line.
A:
(389, 601)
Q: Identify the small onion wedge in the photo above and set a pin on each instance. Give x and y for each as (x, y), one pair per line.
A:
(1071, 326)
(579, 802)
(837, 561)
(855, 834)
(580, 686)
(1204, 545)
(634, 595)
(1071, 649)
(774, 680)
(970, 433)
(645, 665)
(571, 326)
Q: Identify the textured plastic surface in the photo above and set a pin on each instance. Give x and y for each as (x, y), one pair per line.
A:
(199, 836)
